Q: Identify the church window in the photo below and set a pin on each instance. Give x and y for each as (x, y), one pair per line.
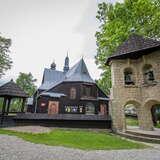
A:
(90, 108)
(72, 93)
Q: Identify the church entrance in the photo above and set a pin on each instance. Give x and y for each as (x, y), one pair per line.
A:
(53, 107)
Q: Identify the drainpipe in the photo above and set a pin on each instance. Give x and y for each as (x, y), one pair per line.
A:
(36, 102)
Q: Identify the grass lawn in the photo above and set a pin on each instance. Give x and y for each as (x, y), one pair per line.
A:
(158, 125)
(130, 121)
(89, 140)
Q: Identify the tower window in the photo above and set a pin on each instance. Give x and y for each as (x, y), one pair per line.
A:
(148, 73)
(128, 76)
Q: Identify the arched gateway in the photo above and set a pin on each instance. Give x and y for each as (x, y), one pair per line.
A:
(135, 69)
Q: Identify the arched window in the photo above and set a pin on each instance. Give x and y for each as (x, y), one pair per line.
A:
(72, 93)
(128, 76)
(148, 73)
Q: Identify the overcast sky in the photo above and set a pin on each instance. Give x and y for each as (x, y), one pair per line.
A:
(44, 30)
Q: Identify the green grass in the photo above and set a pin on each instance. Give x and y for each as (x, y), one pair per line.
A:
(131, 121)
(158, 125)
(78, 139)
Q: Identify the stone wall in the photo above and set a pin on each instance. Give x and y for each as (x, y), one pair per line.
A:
(142, 95)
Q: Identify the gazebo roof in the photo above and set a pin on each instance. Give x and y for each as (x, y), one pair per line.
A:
(134, 47)
(12, 89)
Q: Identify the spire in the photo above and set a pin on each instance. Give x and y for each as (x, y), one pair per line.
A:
(53, 65)
(66, 64)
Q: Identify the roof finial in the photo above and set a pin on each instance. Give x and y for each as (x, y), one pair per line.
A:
(53, 65)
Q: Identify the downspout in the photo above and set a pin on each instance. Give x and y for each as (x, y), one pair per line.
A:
(36, 102)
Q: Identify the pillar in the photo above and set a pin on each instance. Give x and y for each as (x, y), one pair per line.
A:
(145, 119)
(3, 109)
(118, 117)
(23, 104)
(8, 105)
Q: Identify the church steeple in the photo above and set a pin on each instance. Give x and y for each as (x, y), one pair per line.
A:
(66, 64)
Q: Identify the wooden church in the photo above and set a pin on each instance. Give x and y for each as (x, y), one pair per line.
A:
(71, 91)
(70, 94)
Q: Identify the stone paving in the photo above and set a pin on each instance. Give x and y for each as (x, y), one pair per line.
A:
(13, 148)
(136, 129)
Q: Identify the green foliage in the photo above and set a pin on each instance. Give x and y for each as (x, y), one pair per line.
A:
(117, 22)
(78, 139)
(103, 82)
(5, 60)
(131, 121)
(27, 83)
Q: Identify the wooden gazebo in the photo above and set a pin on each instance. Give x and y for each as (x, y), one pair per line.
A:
(8, 91)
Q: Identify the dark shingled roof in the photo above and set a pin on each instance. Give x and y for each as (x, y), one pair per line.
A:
(134, 47)
(78, 73)
(51, 78)
(12, 89)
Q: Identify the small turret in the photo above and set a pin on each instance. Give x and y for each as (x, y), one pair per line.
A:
(66, 64)
(53, 65)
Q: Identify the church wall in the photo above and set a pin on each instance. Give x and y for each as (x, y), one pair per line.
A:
(67, 101)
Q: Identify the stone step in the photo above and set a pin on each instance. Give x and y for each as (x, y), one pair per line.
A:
(143, 134)
(139, 138)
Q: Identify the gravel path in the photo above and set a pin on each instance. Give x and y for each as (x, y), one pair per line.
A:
(13, 148)
(30, 129)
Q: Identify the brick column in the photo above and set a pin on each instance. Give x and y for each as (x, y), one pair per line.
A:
(118, 117)
(145, 119)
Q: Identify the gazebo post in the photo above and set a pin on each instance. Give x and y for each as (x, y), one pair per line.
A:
(23, 104)
(8, 105)
(3, 109)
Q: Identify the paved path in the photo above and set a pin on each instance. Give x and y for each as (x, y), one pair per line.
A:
(13, 148)
(156, 131)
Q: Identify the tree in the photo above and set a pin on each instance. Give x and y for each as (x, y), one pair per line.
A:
(5, 60)
(27, 83)
(117, 23)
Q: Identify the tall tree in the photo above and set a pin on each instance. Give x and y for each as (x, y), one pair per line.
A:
(5, 60)
(117, 22)
(27, 83)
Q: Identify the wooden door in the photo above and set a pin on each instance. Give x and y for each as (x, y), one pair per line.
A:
(53, 107)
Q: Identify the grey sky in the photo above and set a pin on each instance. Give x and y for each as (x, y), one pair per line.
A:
(44, 30)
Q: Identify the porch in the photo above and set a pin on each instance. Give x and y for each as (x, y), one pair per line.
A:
(64, 120)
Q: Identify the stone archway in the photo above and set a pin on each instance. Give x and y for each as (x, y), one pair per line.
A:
(155, 111)
(146, 118)
(134, 116)
(118, 115)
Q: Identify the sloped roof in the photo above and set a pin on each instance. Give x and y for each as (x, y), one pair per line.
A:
(78, 73)
(134, 47)
(12, 89)
(51, 78)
